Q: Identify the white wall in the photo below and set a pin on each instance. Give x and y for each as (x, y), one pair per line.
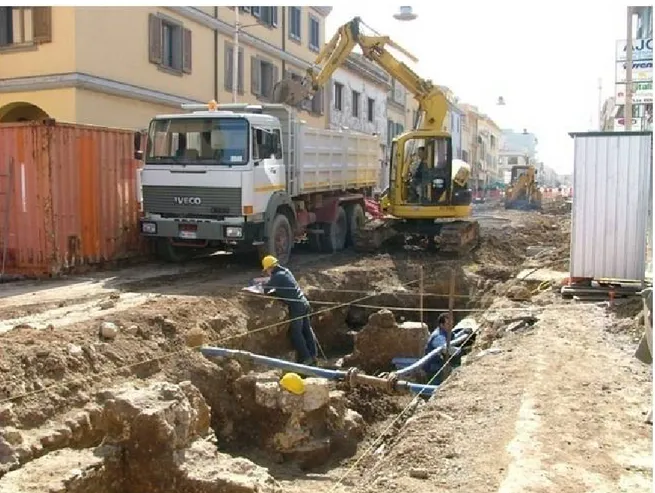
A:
(344, 118)
(339, 119)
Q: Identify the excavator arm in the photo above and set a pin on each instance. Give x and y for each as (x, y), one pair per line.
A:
(432, 102)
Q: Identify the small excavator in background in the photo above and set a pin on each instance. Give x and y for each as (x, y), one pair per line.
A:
(437, 209)
(522, 192)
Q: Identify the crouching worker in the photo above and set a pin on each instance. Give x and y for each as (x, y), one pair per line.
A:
(284, 286)
(436, 365)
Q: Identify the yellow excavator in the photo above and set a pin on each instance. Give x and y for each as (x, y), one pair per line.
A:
(522, 192)
(428, 194)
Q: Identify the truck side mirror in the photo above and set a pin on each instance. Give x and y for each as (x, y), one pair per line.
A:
(138, 153)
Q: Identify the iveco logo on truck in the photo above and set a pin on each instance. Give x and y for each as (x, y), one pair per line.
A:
(187, 200)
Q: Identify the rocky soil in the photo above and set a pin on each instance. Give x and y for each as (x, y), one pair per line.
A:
(98, 380)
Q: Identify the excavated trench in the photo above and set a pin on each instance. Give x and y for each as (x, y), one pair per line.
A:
(225, 425)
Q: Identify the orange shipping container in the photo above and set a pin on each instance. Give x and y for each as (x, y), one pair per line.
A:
(67, 197)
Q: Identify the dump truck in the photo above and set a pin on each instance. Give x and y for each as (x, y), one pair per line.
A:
(241, 177)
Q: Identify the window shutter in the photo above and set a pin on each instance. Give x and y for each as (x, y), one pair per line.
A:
(42, 24)
(275, 73)
(227, 67)
(186, 51)
(155, 44)
(4, 24)
(241, 72)
(321, 101)
(255, 76)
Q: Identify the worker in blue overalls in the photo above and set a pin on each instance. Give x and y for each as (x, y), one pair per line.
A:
(284, 286)
(440, 337)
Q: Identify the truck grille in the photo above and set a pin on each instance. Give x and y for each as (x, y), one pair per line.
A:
(174, 201)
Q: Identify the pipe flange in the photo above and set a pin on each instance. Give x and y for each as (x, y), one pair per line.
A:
(392, 381)
(351, 374)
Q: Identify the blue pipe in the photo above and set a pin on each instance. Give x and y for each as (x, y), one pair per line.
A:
(415, 388)
(417, 365)
(274, 362)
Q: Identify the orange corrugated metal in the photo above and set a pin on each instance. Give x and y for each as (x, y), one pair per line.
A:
(72, 196)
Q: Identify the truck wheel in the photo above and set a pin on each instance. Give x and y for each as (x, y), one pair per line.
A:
(280, 239)
(356, 220)
(334, 237)
(173, 254)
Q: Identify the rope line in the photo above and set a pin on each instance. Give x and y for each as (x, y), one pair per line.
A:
(178, 352)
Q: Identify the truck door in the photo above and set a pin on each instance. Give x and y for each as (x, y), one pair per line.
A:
(268, 165)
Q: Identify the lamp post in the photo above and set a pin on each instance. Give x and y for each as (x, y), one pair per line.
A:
(235, 57)
(628, 72)
(235, 54)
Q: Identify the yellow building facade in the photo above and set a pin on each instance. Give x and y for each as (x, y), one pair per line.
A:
(119, 66)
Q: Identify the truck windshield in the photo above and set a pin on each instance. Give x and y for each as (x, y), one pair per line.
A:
(198, 141)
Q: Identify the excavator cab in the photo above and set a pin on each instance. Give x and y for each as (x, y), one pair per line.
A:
(424, 177)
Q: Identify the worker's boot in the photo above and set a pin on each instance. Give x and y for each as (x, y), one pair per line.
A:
(309, 362)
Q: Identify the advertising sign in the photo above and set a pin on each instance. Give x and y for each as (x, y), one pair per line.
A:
(642, 49)
(638, 124)
(642, 92)
(641, 71)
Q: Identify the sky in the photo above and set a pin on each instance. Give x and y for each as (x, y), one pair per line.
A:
(544, 60)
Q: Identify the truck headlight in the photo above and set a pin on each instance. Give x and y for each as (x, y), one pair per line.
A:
(149, 228)
(233, 232)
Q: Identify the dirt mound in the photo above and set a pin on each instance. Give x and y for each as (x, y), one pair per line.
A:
(373, 404)
(501, 247)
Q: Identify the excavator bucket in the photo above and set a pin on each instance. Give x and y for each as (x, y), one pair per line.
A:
(288, 91)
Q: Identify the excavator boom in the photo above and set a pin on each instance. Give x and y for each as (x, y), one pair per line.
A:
(433, 104)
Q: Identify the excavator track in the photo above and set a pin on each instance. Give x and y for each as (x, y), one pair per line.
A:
(459, 237)
(456, 238)
(373, 235)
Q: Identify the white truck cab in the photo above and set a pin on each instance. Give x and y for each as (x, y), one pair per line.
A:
(218, 178)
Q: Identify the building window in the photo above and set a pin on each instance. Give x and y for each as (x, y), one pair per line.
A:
(266, 15)
(263, 76)
(370, 109)
(399, 128)
(465, 156)
(338, 96)
(294, 23)
(25, 26)
(314, 33)
(317, 102)
(169, 44)
(229, 67)
(390, 132)
(269, 16)
(355, 105)
(513, 160)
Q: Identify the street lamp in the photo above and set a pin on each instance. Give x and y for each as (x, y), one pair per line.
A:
(235, 54)
(405, 14)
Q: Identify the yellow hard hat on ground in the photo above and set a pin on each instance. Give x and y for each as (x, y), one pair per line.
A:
(293, 383)
(269, 261)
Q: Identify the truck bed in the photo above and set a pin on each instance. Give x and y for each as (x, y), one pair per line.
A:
(333, 160)
(320, 160)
